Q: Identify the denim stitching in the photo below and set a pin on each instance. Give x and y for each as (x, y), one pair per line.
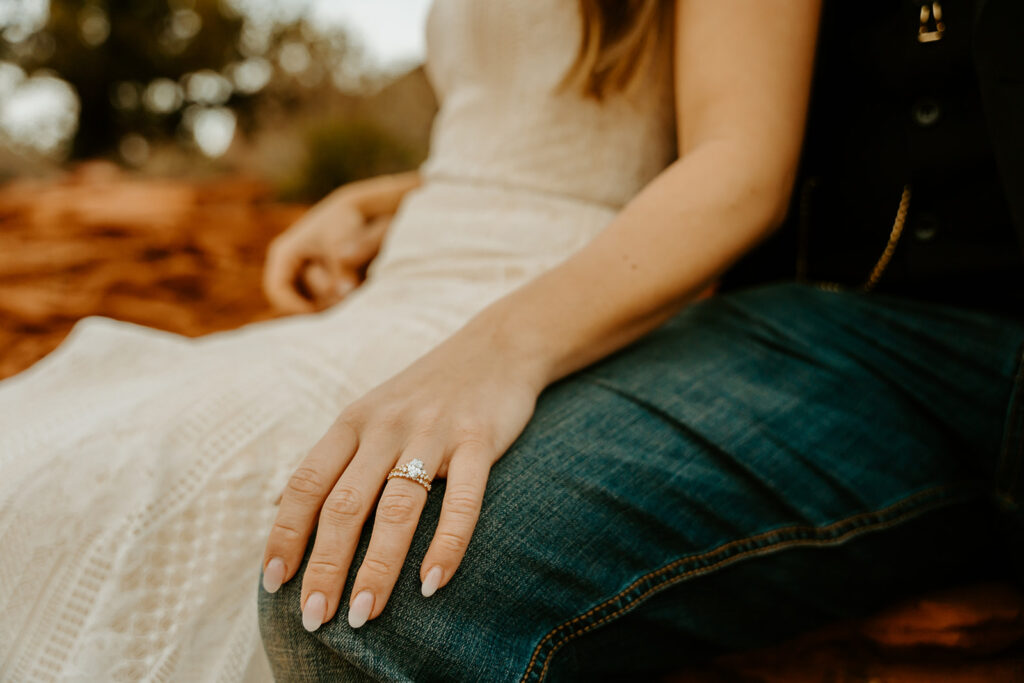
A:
(790, 538)
(729, 559)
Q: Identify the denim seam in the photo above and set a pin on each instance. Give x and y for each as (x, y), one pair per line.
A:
(1007, 471)
(768, 542)
(656, 410)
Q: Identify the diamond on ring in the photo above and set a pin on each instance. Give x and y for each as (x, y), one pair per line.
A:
(412, 470)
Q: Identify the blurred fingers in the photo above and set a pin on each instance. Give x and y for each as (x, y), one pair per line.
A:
(279, 279)
(328, 288)
(318, 281)
(378, 227)
(356, 251)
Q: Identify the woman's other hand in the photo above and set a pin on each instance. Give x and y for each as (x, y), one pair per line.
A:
(457, 410)
(322, 257)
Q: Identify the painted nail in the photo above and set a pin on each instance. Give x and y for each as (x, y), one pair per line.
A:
(359, 610)
(432, 581)
(314, 611)
(273, 575)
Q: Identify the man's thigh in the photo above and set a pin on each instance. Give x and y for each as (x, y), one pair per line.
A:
(763, 463)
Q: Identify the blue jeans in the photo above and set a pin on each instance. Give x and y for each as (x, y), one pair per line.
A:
(764, 463)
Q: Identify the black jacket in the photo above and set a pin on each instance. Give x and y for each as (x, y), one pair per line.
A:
(944, 116)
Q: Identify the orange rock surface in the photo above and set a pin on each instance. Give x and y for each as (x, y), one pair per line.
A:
(971, 634)
(187, 257)
(180, 256)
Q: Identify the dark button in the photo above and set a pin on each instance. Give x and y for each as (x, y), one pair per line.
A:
(926, 227)
(926, 112)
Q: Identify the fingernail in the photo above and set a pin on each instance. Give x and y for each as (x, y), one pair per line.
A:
(359, 611)
(314, 611)
(273, 575)
(432, 581)
(343, 288)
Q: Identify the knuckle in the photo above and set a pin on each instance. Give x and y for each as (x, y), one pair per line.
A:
(424, 429)
(343, 506)
(424, 433)
(376, 566)
(451, 543)
(349, 421)
(320, 568)
(473, 434)
(429, 415)
(429, 425)
(390, 419)
(306, 482)
(396, 508)
(462, 502)
(278, 250)
(268, 274)
(285, 532)
(272, 281)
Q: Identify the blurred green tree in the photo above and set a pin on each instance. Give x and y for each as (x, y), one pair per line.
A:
(133, 62)
(338, 151)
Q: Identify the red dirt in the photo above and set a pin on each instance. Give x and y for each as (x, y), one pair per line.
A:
(179, 256)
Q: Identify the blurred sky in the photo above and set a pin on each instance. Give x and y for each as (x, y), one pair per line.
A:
(392, 30)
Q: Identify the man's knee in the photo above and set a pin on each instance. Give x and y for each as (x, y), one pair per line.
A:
(451, 635)
(294, 653)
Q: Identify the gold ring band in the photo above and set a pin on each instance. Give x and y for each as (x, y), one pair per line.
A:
(413, 471)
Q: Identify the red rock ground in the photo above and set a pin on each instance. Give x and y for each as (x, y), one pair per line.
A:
(183, 257)
(187, 257)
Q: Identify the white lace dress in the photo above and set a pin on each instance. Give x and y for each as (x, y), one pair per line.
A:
(138, 468)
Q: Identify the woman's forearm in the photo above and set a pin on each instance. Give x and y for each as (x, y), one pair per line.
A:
(665, 247)
(379, 195)
(742, 82)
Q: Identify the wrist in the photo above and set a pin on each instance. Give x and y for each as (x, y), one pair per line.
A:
(379, 195)
(348, 199)
(518, 348)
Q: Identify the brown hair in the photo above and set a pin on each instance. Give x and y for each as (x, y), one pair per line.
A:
(617, 38)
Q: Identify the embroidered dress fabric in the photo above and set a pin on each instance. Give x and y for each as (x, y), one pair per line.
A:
(139, 469)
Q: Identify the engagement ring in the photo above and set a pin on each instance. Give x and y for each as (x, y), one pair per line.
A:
(412, 470)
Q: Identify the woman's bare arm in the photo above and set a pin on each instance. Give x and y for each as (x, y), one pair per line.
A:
(743, 73)
(742, 76)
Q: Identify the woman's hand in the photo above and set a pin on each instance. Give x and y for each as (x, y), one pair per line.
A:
(457, 409)
(322, 257)
(317, 261)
